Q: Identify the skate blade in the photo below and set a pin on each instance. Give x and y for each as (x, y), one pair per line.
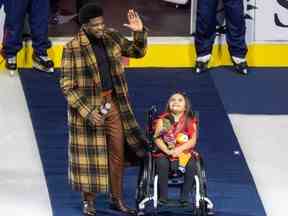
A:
(243, 72)
(41, 68)
(12, 73)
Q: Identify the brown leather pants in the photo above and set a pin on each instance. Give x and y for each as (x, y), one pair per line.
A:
(115, 141)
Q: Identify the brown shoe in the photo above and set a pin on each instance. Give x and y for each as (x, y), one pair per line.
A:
(88, 208)
(118, 204)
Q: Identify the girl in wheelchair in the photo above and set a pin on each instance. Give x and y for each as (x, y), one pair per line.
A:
(175, 136)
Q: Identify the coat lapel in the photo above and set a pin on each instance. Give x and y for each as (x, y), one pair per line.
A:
(89, 56)
(114, 54)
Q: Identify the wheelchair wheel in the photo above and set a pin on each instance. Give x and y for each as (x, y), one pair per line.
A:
(202, 210)
(202, 177)
(144, 179)
(147, 185)
(148, 175)
(203, 204)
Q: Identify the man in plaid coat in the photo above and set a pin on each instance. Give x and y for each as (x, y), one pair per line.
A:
(93, 75)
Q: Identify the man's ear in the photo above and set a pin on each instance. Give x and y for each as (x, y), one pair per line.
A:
(85, 26)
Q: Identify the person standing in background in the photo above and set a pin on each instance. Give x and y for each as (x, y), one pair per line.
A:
(38, 13)
(2, 18)
(235, 33)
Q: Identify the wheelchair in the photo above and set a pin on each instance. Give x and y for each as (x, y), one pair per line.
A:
(147, 190)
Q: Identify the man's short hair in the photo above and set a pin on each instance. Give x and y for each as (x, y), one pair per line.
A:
(89, 11)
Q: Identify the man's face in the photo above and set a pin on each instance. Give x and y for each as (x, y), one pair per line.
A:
(95, 26)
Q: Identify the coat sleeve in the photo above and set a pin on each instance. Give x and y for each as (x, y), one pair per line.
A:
(68, 84)
(136, 48)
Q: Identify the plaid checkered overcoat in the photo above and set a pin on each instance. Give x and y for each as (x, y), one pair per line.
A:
(81, 85)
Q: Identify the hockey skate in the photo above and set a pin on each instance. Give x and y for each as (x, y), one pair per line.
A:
(240, 67)
(11, 65)
(201, 67)
(43, 63)
(202, 63)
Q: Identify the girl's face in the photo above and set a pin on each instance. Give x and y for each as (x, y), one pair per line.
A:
(177, 103)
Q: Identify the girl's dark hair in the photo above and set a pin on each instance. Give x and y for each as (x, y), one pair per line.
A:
(188, 106)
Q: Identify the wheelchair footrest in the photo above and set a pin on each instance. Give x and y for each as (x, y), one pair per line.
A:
(174, 203)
